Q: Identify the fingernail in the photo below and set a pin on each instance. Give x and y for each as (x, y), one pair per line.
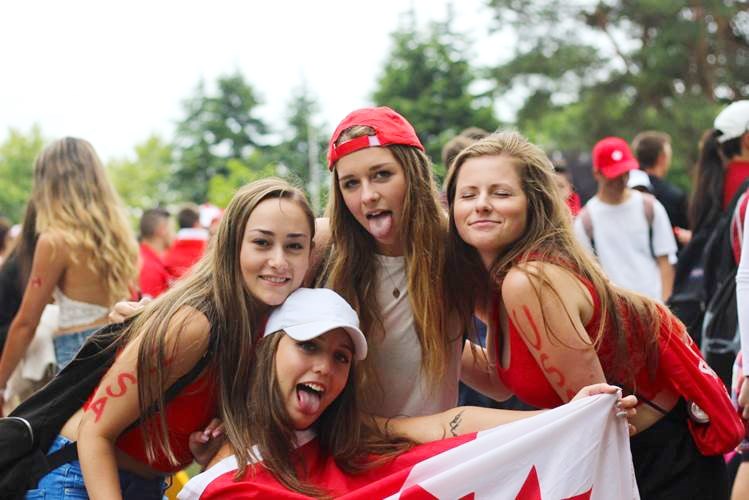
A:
(621, 413)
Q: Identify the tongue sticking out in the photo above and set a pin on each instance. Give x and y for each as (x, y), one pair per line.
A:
(309, 402)
(380, 225)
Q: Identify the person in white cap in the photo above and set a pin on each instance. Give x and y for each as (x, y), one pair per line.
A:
(732, 134)
(304, 396)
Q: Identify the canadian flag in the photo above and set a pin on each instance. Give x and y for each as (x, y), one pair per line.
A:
(577, 451)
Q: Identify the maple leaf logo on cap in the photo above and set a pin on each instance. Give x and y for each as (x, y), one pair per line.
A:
(617, 155)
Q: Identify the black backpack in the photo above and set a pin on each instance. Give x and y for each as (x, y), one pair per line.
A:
(28, 432)
(692, 289)
(720, 337)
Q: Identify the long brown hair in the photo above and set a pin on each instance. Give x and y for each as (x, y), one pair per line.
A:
(352, 266)
(74, 197)
(548, 237)
(343, 433)
(215, 287)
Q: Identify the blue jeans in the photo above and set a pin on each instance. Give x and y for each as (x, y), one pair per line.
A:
(66, 482)
(67, 346)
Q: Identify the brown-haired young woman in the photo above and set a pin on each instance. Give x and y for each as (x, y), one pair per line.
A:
(555, 323)
(387, 233)
(261, 254)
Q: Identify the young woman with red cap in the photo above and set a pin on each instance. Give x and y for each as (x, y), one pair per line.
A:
(387, 235)
(556, 323)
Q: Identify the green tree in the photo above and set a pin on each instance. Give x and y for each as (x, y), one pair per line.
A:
(17, 155)
(428, 79)
(217, 127)
(616, 68)
(144, 182)
(221, 188)
(304, 146)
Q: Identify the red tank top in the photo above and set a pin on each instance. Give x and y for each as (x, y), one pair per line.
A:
(191, 410)
(526, 379)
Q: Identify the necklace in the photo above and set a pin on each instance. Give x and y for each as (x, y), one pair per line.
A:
(396, 291)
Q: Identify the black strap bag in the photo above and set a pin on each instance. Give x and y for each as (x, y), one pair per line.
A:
(28, 432)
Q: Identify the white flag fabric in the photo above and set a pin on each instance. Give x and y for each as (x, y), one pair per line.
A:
(578, 451)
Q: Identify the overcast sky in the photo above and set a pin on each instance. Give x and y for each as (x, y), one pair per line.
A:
(114, 73)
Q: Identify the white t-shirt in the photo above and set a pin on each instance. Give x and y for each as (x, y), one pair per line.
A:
(623, 245)
(403, 389)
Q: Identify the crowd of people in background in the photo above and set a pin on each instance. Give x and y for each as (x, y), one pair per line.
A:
(526, 296)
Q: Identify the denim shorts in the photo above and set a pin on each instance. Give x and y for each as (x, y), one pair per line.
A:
(68, 345)
(66, 482)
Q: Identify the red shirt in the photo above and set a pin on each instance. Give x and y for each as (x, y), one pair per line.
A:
(186, 250)
(154, 277)
(736, 173)
(189, 411)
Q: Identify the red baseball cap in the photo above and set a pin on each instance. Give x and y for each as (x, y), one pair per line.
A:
(389, 128)
(612, 157)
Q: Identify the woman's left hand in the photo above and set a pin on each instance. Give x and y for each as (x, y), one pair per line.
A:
(625, 407)
(204, 444)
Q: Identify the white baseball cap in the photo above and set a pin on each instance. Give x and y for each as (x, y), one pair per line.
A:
(310, 312)
(638, 178)
(733, 121)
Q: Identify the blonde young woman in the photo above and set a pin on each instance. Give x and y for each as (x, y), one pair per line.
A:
(260, 255)
(387, 237)
(86, 256)
(556, 324)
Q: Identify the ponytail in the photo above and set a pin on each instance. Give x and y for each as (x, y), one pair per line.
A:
(707, 200)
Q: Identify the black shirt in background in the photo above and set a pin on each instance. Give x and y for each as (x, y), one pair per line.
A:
(673, 199)
(10, 295)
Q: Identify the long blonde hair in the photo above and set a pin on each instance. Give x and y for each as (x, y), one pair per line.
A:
(216, 288)
(352, 266)
(629, 320)
(75, 199)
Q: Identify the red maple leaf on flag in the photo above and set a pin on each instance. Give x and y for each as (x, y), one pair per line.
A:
(531, 489)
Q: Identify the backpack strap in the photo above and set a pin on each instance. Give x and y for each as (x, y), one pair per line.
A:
(587, 222)
(737, 225)
(69, 452)
(648, 205)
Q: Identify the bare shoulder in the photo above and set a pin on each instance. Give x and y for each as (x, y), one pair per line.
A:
(187, 337)
(51, 242)
(191, 325)
(525, 278)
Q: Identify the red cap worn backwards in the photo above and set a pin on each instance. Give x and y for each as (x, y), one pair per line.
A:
(389, 128)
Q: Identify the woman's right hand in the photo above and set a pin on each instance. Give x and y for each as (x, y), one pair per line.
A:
(625, 406)
(127, 309)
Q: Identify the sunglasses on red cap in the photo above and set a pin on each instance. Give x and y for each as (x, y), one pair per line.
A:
(389, 128)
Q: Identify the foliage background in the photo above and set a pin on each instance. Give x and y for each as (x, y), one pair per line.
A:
(578, 71)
